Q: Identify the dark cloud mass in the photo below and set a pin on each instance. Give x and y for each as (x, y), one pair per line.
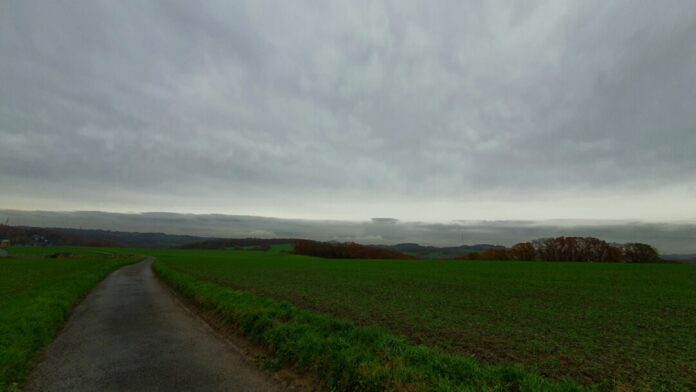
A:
(416, 110)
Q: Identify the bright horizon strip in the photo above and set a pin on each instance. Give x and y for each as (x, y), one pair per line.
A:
(657, 208)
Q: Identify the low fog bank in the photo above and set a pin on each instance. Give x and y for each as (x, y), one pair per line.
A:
(666, 237)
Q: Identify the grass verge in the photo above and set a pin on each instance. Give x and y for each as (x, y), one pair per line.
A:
(626, 327)
(344, 356)
(37, 295)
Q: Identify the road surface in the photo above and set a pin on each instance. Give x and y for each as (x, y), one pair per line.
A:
(130, 334)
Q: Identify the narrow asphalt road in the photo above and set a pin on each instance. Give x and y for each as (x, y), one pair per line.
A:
(129, 334)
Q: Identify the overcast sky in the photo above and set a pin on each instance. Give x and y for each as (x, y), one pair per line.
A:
(428, 111)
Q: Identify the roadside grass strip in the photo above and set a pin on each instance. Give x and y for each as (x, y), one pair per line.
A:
(33, 311)
(344, 356)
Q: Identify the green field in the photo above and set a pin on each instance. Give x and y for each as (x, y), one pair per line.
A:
(36, 296)
(397, 324)
(611, 326)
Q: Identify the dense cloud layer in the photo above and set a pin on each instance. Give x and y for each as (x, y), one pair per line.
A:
(420, 110)
(668, 238)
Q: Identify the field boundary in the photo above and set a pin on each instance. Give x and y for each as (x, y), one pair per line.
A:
(254, 354)
(343, 356)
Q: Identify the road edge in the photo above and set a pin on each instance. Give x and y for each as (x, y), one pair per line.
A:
(255, 355)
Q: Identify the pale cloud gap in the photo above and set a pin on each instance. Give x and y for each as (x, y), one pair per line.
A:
(418, 110)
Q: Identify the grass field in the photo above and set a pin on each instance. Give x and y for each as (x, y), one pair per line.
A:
(611, 326)
(36, 296)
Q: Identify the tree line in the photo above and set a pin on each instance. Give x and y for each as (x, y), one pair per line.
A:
(578, 249)
(582, 249)
(349, 250)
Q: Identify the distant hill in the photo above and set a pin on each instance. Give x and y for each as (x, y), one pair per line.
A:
(24, 235)
(27, 235)
(685, 258)
(433, 252)
(237, 243)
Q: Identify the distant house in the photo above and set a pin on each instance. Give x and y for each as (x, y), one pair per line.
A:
(39, 240)
(4, 248)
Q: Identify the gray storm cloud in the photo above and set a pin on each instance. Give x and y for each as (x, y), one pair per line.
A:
(417, 110)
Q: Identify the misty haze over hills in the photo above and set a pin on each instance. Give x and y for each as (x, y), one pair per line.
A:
(668, 238)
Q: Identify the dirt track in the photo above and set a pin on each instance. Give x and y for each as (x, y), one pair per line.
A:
(130, 334)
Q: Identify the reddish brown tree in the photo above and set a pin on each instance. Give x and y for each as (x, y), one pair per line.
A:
(639, 253)
(495, 254)
(473, 256)
(345, 251)
(523, 251)
(576, 249)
